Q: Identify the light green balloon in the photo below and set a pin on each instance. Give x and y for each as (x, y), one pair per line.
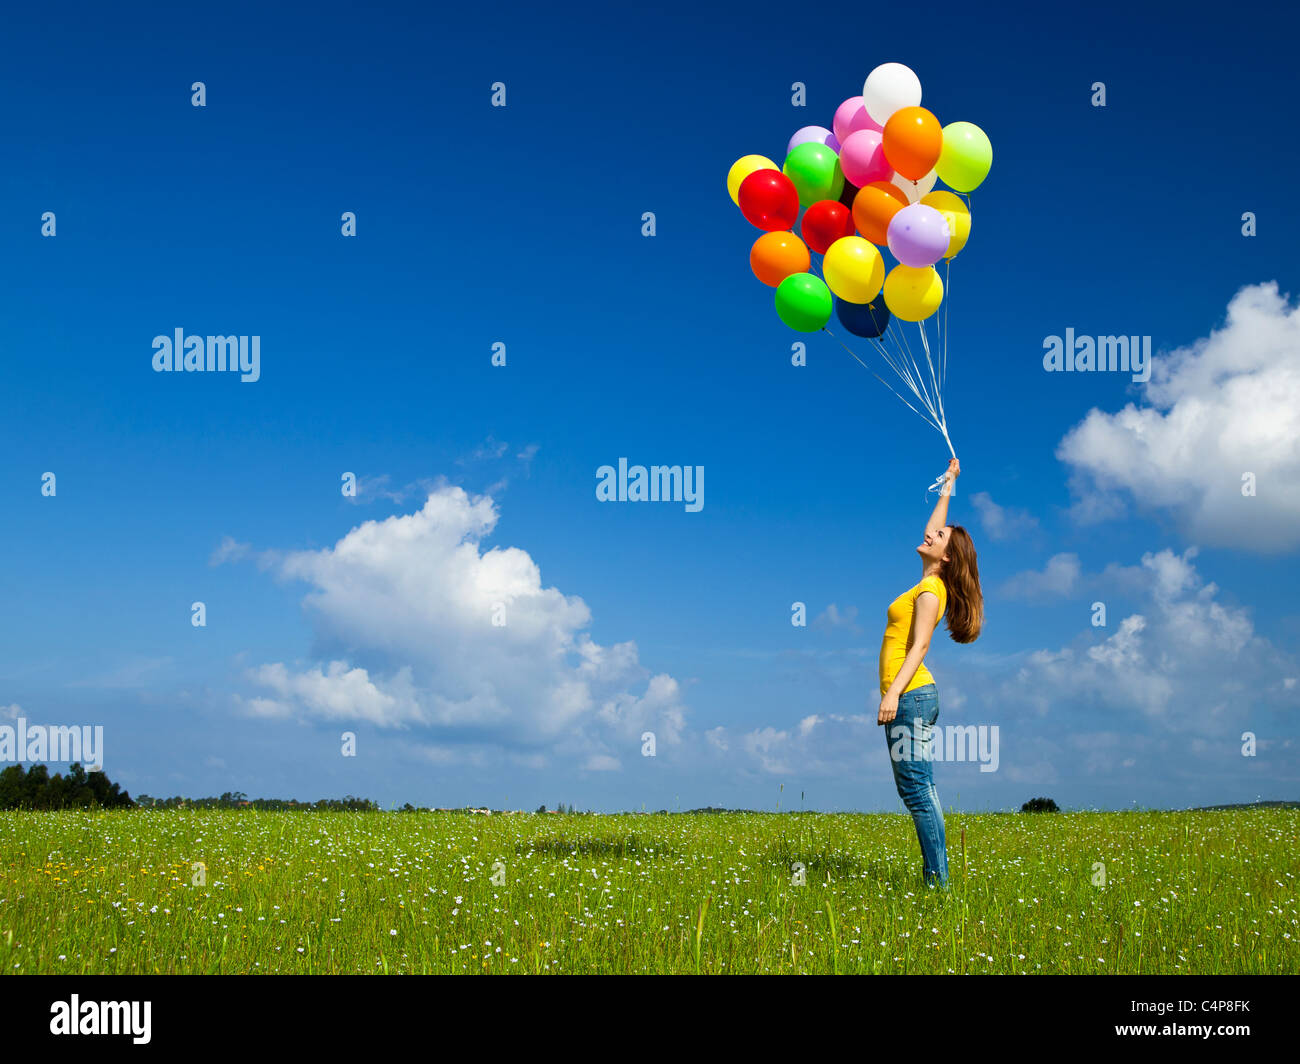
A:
(966, 156)
(815, 171)
(804, 302)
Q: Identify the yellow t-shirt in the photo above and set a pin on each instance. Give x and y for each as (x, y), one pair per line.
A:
(898, 634)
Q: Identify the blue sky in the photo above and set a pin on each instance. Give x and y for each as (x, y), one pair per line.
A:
(523, 225)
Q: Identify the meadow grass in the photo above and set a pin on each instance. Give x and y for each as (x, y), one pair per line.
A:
(307, 892)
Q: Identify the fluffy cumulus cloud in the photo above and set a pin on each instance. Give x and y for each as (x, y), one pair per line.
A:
(1002, 522)
(819, 745)
(418, 626)
(1184, 658)
(1226, 406)
(1058, 577)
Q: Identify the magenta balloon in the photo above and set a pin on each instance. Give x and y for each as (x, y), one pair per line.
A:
(862, 158)
(852, 116)
(918, 235)
(813, 135)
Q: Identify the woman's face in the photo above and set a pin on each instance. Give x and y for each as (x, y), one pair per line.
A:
(935, 547)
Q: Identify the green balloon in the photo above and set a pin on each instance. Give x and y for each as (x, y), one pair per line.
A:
(804, 302)
(966, 156)
(815, 171)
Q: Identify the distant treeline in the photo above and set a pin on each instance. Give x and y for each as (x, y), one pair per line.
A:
(239, 800)
(36, 789)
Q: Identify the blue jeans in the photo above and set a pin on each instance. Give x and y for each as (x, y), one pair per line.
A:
(909, 736)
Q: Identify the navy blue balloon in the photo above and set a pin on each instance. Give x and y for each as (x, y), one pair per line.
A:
(863, 319)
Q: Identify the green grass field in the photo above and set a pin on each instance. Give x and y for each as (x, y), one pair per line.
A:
(228, 892)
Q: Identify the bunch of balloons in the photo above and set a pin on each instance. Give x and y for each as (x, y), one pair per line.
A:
(865, 184)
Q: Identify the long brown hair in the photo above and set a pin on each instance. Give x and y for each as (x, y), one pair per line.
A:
(961, 576)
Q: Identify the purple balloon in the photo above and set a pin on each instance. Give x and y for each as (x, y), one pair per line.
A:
(852, 116)
(918, 235)
(814, 135)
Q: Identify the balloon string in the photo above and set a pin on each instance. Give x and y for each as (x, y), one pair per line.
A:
(934, 419)
(947, 298)
(882, 380)
(938, 395)
(918, 385)
(937, 486)
(899, 363)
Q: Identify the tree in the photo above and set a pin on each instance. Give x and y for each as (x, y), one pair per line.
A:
(13, 787)
(37, 789)
(1039, 805)
(38, 779)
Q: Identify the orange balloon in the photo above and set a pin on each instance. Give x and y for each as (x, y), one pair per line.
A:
(775, 256)
(912, 142)
(873, 208)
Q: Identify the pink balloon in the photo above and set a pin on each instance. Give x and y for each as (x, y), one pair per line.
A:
(862, 158)
(852, 116)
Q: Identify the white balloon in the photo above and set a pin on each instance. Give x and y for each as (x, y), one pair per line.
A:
(914, 190)
(889, 87)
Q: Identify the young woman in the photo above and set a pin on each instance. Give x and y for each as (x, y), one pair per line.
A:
(909, 700)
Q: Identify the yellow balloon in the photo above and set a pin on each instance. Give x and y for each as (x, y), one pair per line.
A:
(956, 213)
(853, 269)
(742, 168)
(913, 293)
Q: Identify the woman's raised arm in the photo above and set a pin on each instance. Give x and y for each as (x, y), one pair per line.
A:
(939, 518)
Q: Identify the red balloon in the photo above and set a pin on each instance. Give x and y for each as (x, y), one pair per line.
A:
(768, 200)
(824, 223)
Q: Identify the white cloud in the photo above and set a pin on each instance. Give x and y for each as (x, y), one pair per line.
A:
(489, 449)
(769, 747)
(1001, 522)
(659, 708)
(340, 693)
(1059, 577)
(831, 618)
(1226, 405)
(1186, 659)
(264, 707)
(826, 745)
(403, 612)
(229, 550)
(377, 486)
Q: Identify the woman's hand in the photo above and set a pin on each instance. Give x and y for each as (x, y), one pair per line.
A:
(954, 469)
(888, 708)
